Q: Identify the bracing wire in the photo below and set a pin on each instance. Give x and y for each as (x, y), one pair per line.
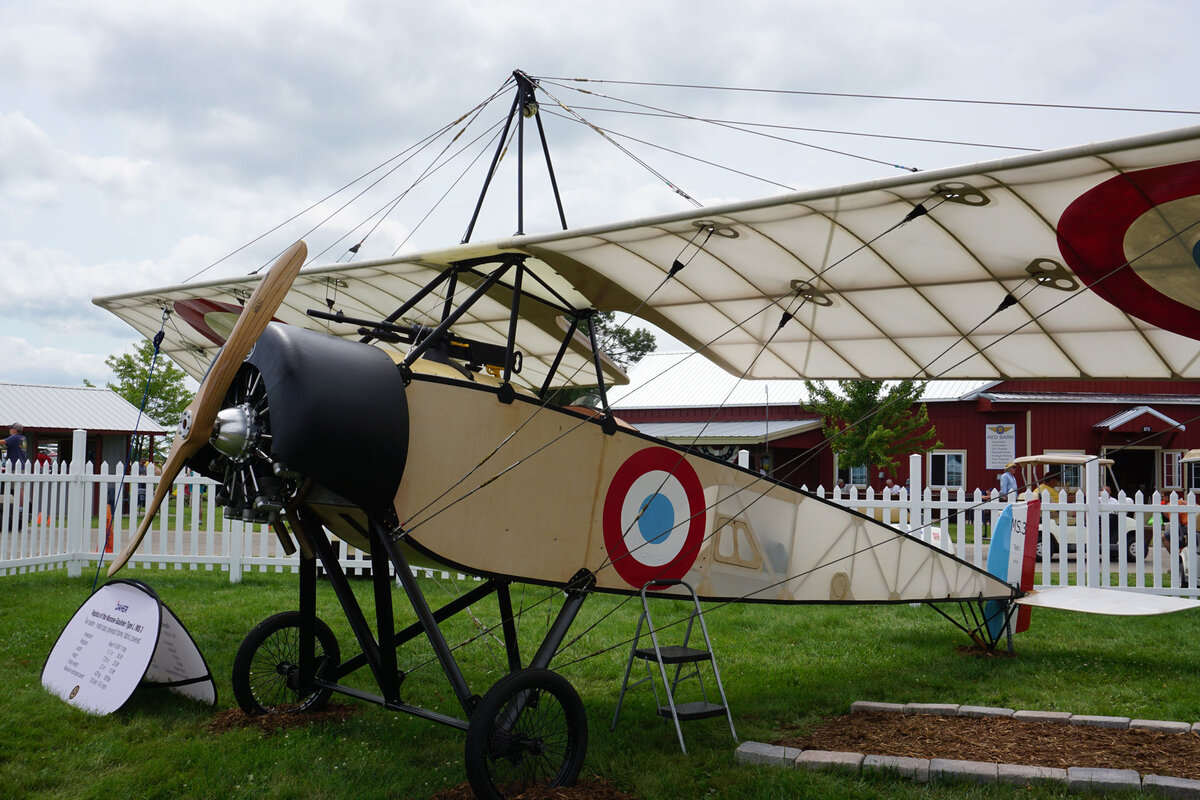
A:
(437, 204)
(401, 158)
(729, 126)
(380, 215)
(130, 453)
(751, 126)
(600, 131)
(919, 99)
(674, 152)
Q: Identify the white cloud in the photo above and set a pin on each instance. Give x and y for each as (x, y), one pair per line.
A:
(29, 158)
(26, 362)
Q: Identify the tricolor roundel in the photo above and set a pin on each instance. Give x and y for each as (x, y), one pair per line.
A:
(1135, 241)
(211, 318)
(654, 516)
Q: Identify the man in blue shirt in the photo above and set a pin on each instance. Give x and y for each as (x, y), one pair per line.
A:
(14, 445)
(1008, 481)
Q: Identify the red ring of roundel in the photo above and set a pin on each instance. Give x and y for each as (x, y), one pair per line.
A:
(623, 560)
(195, 310)
(1091, 238)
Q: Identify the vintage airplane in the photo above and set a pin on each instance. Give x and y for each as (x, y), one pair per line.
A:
(412, 420)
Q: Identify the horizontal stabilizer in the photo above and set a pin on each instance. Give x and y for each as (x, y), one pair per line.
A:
(1116, 602)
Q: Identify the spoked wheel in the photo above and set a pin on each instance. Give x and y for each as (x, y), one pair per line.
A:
(266, 669)
(529, 730)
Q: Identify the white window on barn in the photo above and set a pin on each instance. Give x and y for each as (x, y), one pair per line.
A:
(1192, 474)
(1070, 476)
(853, 476)
(948, 468)
(1172, 474)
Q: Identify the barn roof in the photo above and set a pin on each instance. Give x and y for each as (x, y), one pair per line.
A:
(739, 432)
(39, 407)
(1108, 398)
(681, 379)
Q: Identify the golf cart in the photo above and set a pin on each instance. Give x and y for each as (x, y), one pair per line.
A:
(1065, 528)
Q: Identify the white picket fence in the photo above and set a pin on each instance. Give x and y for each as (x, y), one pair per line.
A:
(56, 517)
(70, 516)
(1162, 529)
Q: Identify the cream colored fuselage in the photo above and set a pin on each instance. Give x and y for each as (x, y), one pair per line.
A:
(537, 493)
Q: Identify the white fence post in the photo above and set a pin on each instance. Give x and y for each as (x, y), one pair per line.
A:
(236, 540)
(1095, 548)
(76, 486)
(915, 517)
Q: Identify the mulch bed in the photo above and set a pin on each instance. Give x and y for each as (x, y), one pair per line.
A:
(1006, 741)
(233, 718)
(996, 739)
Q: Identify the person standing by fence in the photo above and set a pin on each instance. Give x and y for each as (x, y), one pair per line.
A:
(15, 445)
(13, 497)
(1008, 480)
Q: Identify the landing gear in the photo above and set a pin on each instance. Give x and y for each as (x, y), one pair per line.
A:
(266, 669)
(528, 731)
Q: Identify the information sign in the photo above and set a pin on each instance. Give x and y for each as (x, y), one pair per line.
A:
(122, 637)
(1000, 445)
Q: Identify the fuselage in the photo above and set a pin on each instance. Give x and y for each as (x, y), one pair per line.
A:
(538, 492)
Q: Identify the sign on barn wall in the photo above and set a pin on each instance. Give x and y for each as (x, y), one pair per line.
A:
(1001, 442)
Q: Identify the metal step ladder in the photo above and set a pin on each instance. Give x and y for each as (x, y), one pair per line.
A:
(678, 655)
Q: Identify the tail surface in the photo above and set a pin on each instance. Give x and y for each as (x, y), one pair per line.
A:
(1012, 557)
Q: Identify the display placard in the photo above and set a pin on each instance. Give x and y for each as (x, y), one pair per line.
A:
(178, 664)
(122, 637)
(1000, 445)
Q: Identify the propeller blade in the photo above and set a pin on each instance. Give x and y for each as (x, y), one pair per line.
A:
(197, 423)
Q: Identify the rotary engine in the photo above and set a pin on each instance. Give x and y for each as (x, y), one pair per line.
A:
(306, 406)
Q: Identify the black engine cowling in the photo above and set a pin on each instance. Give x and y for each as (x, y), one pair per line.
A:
(307, 405)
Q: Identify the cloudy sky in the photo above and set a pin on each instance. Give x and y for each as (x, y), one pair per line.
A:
(140, 142)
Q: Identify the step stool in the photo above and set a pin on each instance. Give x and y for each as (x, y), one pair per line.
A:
(677, 655)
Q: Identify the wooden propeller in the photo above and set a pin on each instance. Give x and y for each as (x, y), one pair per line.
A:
(197, 423)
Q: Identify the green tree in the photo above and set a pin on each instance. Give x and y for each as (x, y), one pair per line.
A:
(869, 423)
(167, 395)
(624, 345)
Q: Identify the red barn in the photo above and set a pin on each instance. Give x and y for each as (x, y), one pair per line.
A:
(1144, 426)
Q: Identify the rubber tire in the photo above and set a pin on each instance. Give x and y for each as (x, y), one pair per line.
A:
(260, 679)
(552, 709)
(1053, 546)
(1131, 553)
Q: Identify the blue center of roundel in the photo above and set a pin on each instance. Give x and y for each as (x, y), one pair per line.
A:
(657, 518)
(1196, 253)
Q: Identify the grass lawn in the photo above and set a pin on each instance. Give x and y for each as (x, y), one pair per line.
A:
(100, 520)
(784, 669)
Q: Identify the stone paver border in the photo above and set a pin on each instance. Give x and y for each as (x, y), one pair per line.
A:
(922, 770)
